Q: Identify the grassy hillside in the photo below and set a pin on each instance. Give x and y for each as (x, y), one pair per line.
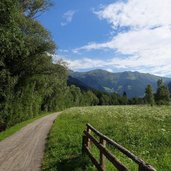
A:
(145, 131)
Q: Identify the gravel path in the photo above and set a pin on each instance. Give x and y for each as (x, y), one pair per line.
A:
(23, 151)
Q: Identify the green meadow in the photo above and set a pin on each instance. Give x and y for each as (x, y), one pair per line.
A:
(144, 130)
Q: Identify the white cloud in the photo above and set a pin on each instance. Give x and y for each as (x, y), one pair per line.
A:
(115, 64)
(85, 63)
(112, 64)
(68, 17)
(109, 69)
(137, 14)
(147, 42)
(63, 50)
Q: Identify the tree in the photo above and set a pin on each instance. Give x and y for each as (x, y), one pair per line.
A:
(149, 97)
(162, 96)
(136, 101)
(76, 95)
(169, 86)
(114, 99)
(89, 98)
(159, 83)
(124, 98)
(29, 80)
(105, 99)
(33, 8)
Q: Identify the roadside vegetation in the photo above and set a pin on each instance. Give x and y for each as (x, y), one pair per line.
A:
(144, 130)
(31, 82)
(20, 125)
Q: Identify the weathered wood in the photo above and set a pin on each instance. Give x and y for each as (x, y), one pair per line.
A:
(84, 141)
(116, 145)
(102, 156)
(94, 161)
(146, 167)
(107, 154)
(88, 140)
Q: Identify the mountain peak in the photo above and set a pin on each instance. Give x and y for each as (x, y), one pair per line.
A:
(97, 70)
(132, 82)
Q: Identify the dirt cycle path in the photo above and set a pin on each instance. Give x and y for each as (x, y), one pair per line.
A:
(23, 151)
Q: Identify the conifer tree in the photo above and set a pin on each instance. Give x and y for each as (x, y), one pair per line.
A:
(162, 96)
(149, 97)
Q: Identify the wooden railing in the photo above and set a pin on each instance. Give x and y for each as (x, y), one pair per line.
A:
(88, 139)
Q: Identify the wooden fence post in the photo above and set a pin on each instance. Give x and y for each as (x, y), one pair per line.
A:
(84, 142)
(89, 139)
(88, 144)
(145, 167)
(102, 157)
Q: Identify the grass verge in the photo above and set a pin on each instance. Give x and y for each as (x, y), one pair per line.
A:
(145, 131)
(18, 126)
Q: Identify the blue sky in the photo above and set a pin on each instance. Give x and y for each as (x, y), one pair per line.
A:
(116, 35)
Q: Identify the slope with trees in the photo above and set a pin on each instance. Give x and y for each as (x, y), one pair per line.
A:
(133, 83)
(29, 81)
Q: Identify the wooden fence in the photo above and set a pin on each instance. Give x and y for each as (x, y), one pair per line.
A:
(88, 139)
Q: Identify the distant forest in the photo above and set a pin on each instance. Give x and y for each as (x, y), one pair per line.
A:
(30, 82)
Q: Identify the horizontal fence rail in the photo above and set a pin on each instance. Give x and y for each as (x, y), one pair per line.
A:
(88, 139)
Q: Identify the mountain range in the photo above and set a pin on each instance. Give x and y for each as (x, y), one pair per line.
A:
(133, 83)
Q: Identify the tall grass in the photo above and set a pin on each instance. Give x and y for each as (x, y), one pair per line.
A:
(145, 131)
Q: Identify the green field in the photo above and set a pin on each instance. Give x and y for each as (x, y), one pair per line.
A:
(145, 131)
